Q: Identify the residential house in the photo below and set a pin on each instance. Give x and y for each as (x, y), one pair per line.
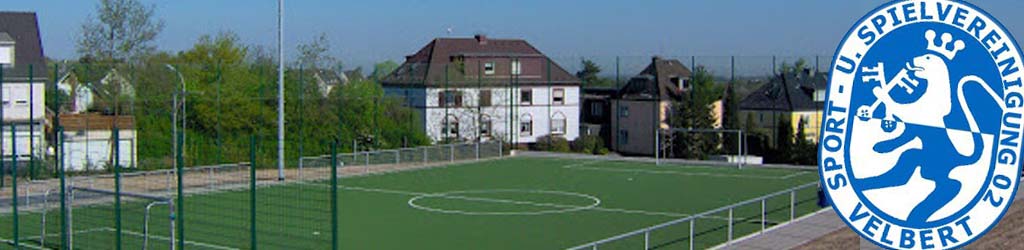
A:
(89, 141)
(79, 94)
(595, 117)
(327, 80)
(24, 76)
(797, 96)
(465, 88)
(644, 106)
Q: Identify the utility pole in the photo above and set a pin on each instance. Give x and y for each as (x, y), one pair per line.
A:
(280, 90)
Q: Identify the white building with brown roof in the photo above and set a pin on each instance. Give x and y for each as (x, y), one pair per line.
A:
(465, 88)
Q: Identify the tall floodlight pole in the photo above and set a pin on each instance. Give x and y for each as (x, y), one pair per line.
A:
(184, 110)
(280, 90)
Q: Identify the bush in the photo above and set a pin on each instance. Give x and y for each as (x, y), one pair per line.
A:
(552, 143)
(602, 151)
(588, 144)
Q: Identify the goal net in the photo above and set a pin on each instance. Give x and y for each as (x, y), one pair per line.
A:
(725, 145)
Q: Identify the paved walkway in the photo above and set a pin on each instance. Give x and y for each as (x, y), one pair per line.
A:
(791, 235)
(807, 229)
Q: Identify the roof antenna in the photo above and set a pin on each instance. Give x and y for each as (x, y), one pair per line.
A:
(450, 30)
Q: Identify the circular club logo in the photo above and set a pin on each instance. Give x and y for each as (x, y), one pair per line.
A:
(921, 135)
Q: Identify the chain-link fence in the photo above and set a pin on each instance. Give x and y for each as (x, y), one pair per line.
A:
(105, 152)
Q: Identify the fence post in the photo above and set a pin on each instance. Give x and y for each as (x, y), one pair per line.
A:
(252, 191)
(730, 227)
(647, 240)
(451, 152)
(691, 232)
(64, 233)
(31, 124)
(478, 150)
(425, 155)
(398, 156)
(117, 188)
(14, 186)
(792, 205)
(181, 194)
(334, 195)
(763, 216)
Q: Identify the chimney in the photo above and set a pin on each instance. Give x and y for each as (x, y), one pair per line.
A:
(655, 58)
(481, 38)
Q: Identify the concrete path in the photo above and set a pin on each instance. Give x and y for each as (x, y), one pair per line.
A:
(791, 235)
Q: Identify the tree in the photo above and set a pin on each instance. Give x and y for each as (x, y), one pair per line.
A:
(315, 55)
(804, 151)
(694, 112)
(122, 30)
(783, 142)
(383, 69)
(590, 75)
(730, 116)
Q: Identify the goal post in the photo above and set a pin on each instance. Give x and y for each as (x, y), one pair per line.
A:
(665, 140)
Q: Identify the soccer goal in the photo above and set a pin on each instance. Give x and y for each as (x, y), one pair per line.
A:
(91, 226)
(729, 144)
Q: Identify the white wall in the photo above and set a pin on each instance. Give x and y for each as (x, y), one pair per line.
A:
(16, 101)
(426, 100)
(90, 150)
(22, 139)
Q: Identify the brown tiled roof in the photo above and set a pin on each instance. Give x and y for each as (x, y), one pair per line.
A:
(427, 66)
(23, 28)
(72, 122)
(658, 73)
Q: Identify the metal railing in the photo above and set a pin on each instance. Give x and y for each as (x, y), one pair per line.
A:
(712, 214)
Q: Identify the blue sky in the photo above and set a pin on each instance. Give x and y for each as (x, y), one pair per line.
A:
(366, 31)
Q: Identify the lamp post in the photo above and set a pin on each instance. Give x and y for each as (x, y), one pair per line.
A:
(174, 114)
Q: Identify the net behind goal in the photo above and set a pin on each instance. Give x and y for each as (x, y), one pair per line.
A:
(146, 221)
(725, 145)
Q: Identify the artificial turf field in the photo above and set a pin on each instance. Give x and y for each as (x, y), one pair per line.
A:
(511, 203)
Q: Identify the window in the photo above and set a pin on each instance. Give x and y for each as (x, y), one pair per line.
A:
(516, 67)
(624, 111)
(485, 98)
(485, 126)
(450, 98)
(526, 125)
(525, 97)
(6, 55)
(489, 68)
(596, 109)
(623, 137)
(450, 127)
(558, 125)
(7, 96)
(681, 82)
(558, 96)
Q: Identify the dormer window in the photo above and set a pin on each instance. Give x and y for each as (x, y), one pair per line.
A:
(683, 83)
(6, 50)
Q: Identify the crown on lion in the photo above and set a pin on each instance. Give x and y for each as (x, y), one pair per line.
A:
(944, 47)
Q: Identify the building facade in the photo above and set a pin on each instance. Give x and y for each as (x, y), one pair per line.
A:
(23, 88)
(796, 97)
(466, 89)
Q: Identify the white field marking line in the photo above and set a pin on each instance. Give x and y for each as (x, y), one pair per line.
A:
(140, 235)
(207, 245)
(645, 171)
(562, 208)
(21, 244)
(83, 231)
(604, 209)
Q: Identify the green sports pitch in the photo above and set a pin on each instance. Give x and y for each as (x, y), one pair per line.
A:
(509, 203)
